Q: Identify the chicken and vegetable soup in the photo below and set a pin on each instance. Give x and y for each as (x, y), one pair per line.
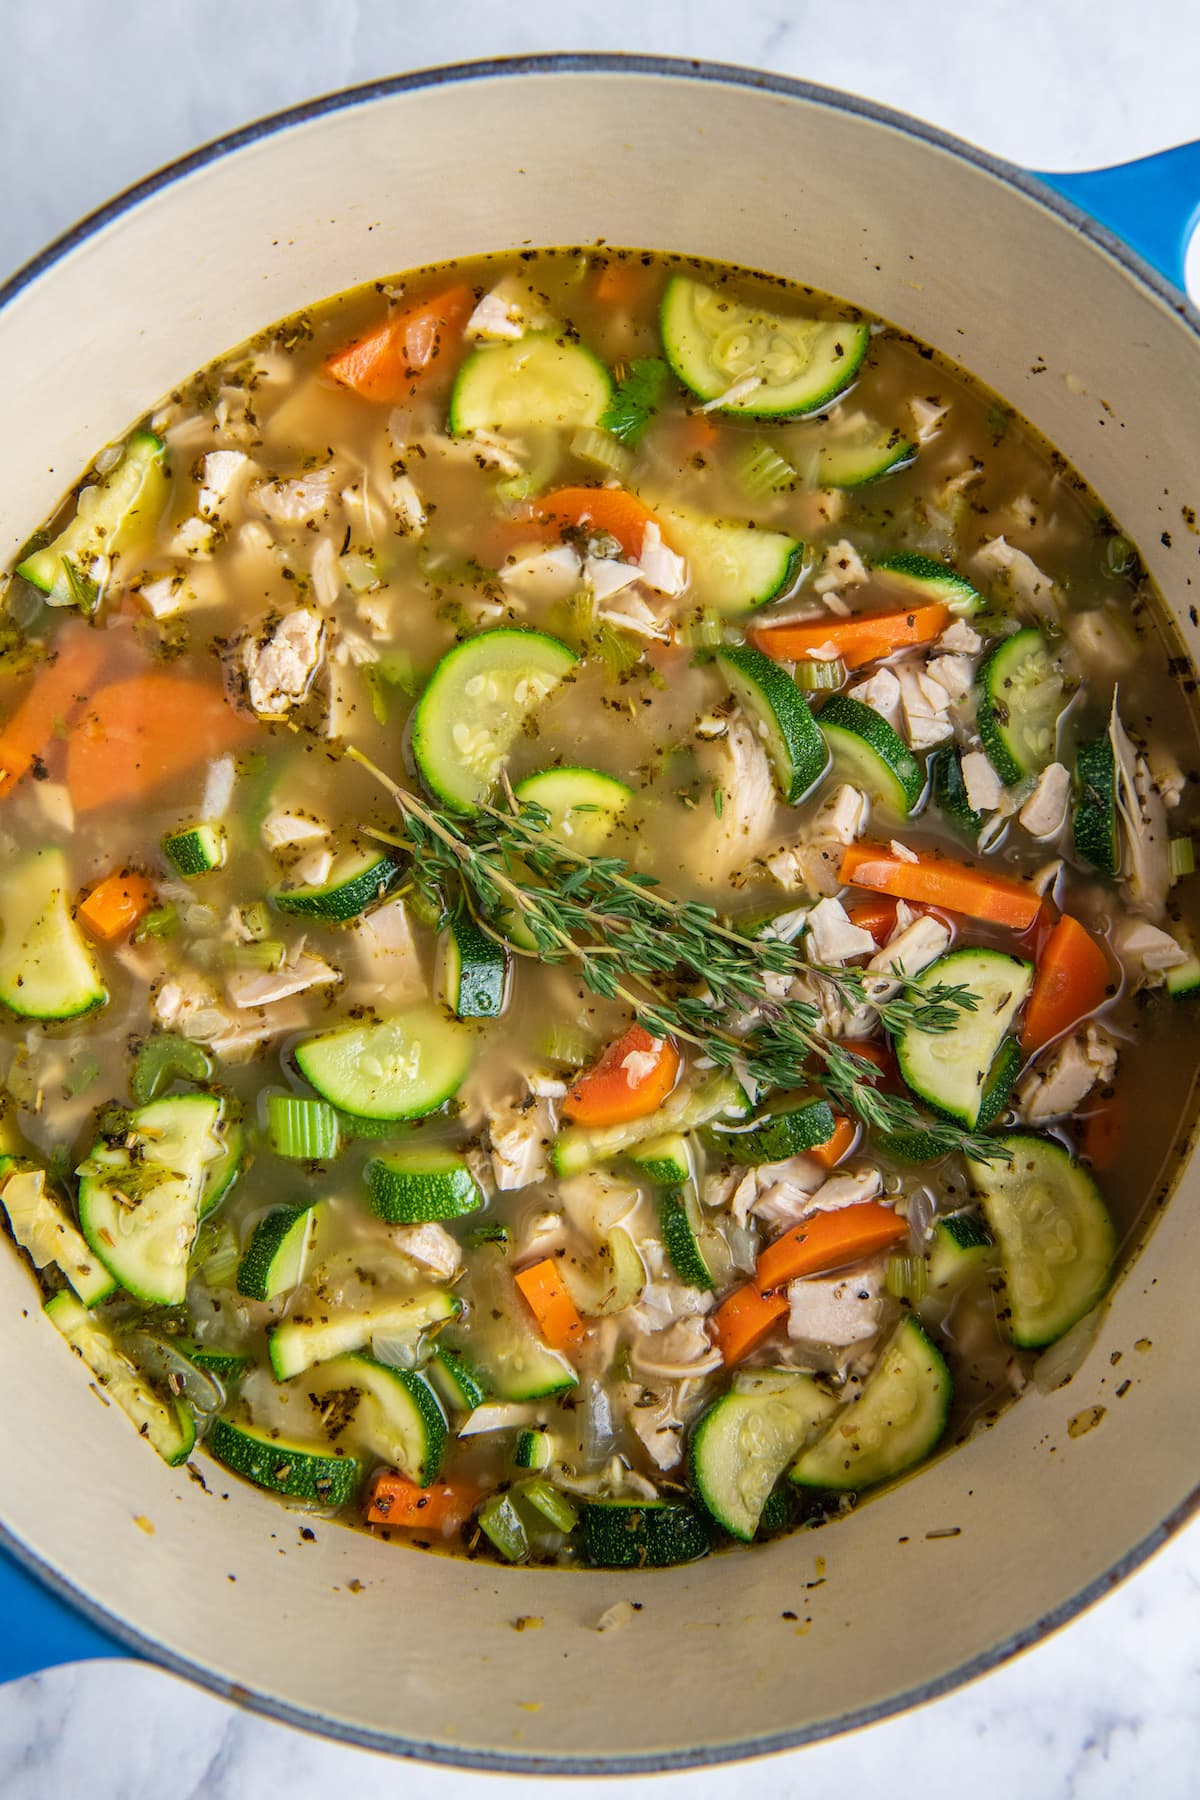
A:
(597, 909)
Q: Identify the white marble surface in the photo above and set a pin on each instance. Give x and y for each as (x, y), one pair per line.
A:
(1111, 1706)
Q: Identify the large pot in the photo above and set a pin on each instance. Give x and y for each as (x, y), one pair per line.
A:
(997, 1543)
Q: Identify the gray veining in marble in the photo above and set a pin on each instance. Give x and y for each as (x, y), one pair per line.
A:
(1110, 1707)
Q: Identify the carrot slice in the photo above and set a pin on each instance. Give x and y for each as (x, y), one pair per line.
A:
(612, 510)
(877, 915)
(697, 434)
(1072, 980)
(551, 1304)
(136, 734)
(398, 1502)
(1103, 1129)
(939, 881)
(857, 641)
(845, 1136)
(52, 699)
(744, 1319)
(632, 1079)
(619, 283)
(829, 1240)
(115, 904)
(388, 363)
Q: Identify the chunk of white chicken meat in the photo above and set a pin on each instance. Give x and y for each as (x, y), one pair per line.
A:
(779, 1194)
(906, 953)
(296, 502)
(662, 569)
(925, 704)
(1045, 812)
(507, 311)
(1146, 952)
(836, 1311)
(1146, 862)
(388, 959)
(224, 473)
(1015, 574)
(1103, 640)
(653, 1415)
(519, 1137)
(954, 673)
(1055, 1086)
(960, 638)
(606, 576)
(219, 780)
(300, 972)
(284, 830)
(431, 1246)
(850, 1187)
(843, 816)
(927, 413)
(280, 667)
(737, 764)
(630, 612)
(881, 692)
(985, 790)
(543, 576)
(841, 567)
(832, 936)
(681, 1352)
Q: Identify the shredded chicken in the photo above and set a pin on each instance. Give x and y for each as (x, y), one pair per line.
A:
(906, 952)
(1016, 574)
(738, 764)
(1045, 812)
(431, 1246)
(832, 936)
(1146, 863)
(835, 1310)
(662, 569)
(926, 707)
(843, 816)
(985, 790)
(841, 567)
(519, 1137)
(606, 576)
(291, 830)
(388, 957)
(848, 1188)
(955, 673)
(1146, 952)
(881, 692)
(297, 975)
(1054, 1088)
(295, 502)
(280, 668)
(544, 576)
(927, 417)
(680, 1352)
(960, 638)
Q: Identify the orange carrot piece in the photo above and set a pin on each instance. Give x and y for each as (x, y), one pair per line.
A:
(387, 364)
(1103, 1129)
(609, 1093)
(550, 1302)
(939, 881)
(501, 538)
(612, 510)
(619, 282)
(138, 733)
(1072, 980)
(114, 905)
(829, 1240)
(400, 1503)
(857, 641)
(845, 1136)
(52, 699)
(744, 1318)
(877, 915)
(698, 434)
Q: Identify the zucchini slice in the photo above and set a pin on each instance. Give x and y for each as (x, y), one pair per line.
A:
(733, 568)
(745, 1441)
(538, 380)
(474, 977)
(1019, 690)
(279, 1248)
(398, 1417)
(948, 791)
(41, 1225)
(399, 1068)
(299, 1342)
(116, 515)
(301, 1471)
(1095, 827)
(664, 1161)
(953, 1070)
(167, 1423)
(358, 879)
(195, 849)
(580, 1147)
(416, 1185)
(584, 805)
(895, 1422)
(1057, 1242)
(46, 968)
(512, 1362)
(683, 1232)
(642, 1534)
(476, 705)
(963, 1247)
(799, 754)
(715, 344)
(860, 451)
(789, 1129)
(456, 1380)
(927, 579)
(139, 1201)
(871, 754)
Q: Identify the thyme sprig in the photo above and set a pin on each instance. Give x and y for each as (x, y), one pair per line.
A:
(753, 1005)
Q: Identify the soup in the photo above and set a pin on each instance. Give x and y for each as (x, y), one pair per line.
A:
(588, 840)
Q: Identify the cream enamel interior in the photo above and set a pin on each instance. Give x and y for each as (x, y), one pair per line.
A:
(418, 1653)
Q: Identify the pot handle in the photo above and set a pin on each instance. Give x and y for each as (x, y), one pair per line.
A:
(1153, 204)
(39, 1630)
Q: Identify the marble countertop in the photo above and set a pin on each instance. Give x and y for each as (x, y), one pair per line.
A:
(1111, 1705)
